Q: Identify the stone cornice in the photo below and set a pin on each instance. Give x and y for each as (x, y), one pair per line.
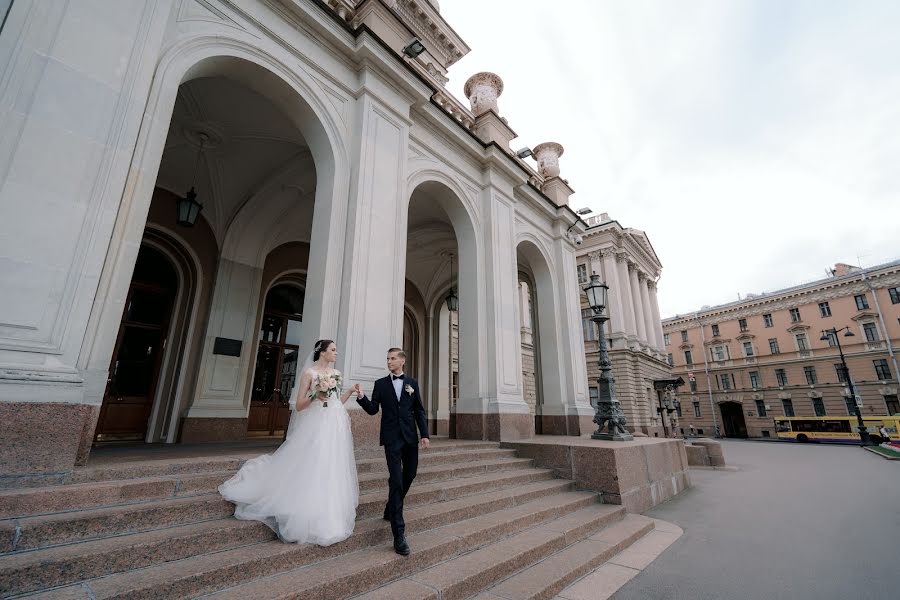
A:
(429, 25)
(813, 293)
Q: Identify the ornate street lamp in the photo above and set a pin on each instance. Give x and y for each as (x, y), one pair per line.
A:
(187, 208)
(452, 298)
(832, 334)
(608, 412)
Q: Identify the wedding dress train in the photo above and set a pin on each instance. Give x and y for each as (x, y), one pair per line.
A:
(307, 490)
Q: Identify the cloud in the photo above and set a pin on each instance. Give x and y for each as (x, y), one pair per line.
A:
(757, 142)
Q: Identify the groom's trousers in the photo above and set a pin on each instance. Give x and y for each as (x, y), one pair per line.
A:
(402, 462)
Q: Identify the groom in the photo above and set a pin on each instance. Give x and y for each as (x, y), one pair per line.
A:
(402, 411)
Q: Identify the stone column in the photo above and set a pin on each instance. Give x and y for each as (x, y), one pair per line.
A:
(72, 100)
(219, 410)
(616, 308)
(649, 324)
(629, 324)
(639, 320)
(654, 305)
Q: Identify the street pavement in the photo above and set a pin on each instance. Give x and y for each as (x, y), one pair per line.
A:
(798, 522)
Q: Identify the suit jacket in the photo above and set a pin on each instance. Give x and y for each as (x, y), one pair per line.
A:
(398, 418)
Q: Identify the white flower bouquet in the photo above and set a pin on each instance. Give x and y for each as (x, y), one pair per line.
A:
(325, 385)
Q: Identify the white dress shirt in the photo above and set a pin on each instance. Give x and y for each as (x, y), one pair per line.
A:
(398, 385)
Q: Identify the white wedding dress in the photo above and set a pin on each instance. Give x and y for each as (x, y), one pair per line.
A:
(307, 490)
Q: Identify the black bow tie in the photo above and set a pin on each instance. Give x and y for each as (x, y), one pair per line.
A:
(395, 377)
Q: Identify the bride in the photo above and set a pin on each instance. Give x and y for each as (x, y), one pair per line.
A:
(307, 490)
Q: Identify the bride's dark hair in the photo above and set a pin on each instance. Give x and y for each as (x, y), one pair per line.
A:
(320, 347)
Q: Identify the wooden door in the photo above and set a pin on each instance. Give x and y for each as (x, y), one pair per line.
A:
(137, 357)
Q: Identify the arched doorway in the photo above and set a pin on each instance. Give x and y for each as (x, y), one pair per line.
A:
(277, 360)
(411, 345)
(140, 345)
(531, 356)
(733, 419)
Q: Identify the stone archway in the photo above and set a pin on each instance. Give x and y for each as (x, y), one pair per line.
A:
(733, 423)
(243, 230)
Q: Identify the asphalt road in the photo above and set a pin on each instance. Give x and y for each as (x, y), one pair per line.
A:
(798, 522)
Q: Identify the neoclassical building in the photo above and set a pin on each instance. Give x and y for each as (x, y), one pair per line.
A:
(746, 363)
(338, 183)
(628, 264)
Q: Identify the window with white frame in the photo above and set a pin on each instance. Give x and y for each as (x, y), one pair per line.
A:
(684, 335)
(824, 309)
(688, 357)
(719, 353)
(696, 409)
(781, 377)
(588, 329)
(882, 370)
(818, 407)
(760, 408)
(773, 346)
(795, 315)
(670, 359)
(861, 302)
(788, 407)
(767, 320)
(582, 274)
(725, 381)
(810, 373)
(870, 330)
(715, 331)
(841, 373)
(742, 324)
(832, 341)
(667, 339)
(748, 348)
(802, 342)
(595, 395)
(894, 293)
(754, 380)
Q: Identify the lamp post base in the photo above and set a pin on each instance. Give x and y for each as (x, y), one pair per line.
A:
(618, 437)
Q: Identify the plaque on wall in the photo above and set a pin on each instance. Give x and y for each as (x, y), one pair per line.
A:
(227, 347)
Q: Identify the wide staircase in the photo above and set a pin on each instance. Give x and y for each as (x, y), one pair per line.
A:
(479, 520)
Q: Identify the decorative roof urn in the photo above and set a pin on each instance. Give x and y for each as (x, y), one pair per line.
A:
(482, 90)
(547, 157)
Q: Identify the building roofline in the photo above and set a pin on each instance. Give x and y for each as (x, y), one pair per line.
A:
(765, 296)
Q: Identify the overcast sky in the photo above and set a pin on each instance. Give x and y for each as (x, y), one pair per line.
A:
(757, 142)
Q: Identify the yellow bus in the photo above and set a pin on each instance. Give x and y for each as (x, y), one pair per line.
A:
(835, 429)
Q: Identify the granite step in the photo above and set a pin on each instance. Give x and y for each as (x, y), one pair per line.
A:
(65, 528)
(47, 500)
(429, 458)
(443, 472)
(51, 567)
(68, 527)
(240, 567)
(372, 503)
(550, 576)
(499, 533)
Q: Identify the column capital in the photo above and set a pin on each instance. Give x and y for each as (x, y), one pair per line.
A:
(621, 256)
(595, 255)
(642, 277)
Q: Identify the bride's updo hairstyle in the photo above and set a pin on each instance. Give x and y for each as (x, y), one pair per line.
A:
(320, 347)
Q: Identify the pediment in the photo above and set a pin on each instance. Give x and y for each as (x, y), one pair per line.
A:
(798, 328)
(865, 315)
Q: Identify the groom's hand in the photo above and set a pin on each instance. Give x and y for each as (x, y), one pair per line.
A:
(425, 444)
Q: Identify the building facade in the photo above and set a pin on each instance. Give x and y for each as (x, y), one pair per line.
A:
(345, 195)
(749, 362)
(627, 263)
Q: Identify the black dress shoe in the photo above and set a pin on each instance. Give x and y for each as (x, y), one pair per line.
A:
(400, 546)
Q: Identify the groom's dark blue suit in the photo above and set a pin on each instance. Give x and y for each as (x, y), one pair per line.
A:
(399, 419)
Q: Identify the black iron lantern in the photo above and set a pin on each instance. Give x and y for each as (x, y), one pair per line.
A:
(188, 209)
(452, 298)
(597, 294)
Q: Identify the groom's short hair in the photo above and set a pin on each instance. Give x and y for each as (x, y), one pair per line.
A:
(399, 352)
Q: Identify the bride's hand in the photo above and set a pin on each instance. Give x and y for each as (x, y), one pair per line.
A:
(358, 389)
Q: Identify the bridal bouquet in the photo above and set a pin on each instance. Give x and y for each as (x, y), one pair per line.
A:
(327, 385)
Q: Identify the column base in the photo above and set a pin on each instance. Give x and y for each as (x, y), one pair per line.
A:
(44, 438)
(195, 430)
(575, 425)
(494, 427)
(366, 428)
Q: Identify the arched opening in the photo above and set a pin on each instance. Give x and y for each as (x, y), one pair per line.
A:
(277, 360)
(540, 340)
(265, 165)
(441, 257)
(140, 346)
(733, 423)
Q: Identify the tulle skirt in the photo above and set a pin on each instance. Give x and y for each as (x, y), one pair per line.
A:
(307, 490)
